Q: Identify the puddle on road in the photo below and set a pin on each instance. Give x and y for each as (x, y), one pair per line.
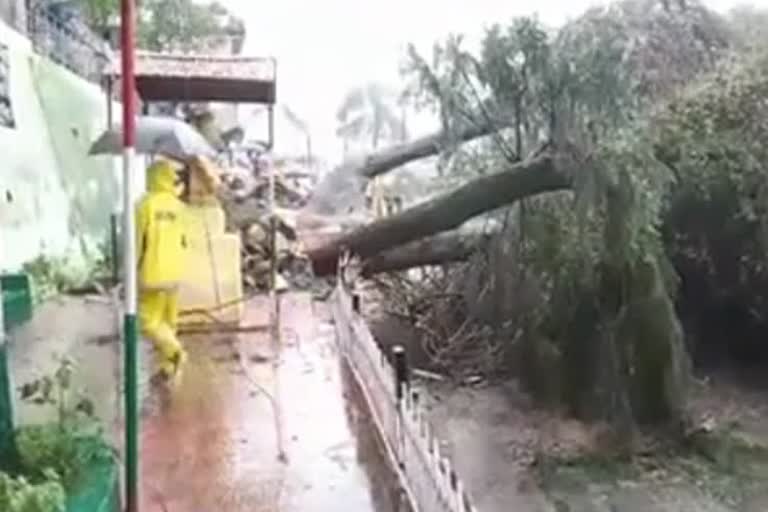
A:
(214, 446)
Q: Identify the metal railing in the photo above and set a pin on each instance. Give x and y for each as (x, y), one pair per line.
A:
(428, 478)
(68, 42)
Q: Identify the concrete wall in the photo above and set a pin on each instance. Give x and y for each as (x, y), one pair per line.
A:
(14, 13)
(54, 198)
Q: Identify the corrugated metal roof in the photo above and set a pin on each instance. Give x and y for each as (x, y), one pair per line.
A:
(189, 77)
(260, 69)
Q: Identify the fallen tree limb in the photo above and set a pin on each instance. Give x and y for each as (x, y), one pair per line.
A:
(444, 248)
(393, 157)
(541, 174)
(342, 189)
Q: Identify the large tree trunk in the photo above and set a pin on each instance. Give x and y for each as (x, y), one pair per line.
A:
(437, 250)
(541, 174)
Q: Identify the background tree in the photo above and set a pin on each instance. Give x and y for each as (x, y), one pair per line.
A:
(101, 14)
(301, 125)
(183, 25)
(370, 112)
(173, 25)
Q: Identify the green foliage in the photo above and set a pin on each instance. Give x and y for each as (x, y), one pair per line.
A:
(172, 25)
(73, 443)
(101, 13)
(19, 495)
(53, 457)
(598, 73)
(50, 276)
(599, 88)
(589, 84)
(712, 137)
(68, 450)
(630, 53)
(180, 25)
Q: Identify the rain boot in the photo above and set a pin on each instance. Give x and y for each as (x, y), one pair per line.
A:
(170, 370)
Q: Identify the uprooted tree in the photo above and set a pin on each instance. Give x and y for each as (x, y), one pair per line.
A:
(610, 191)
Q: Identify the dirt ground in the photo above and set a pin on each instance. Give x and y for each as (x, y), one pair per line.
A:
(510, 452)
(83, 329)
(515, 456)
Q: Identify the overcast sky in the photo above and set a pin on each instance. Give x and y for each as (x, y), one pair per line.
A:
(325, 47)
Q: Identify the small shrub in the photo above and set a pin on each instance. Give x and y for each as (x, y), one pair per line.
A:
(69, 446)
(20, 495)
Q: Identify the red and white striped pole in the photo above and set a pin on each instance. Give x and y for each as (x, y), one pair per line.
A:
(130, 326)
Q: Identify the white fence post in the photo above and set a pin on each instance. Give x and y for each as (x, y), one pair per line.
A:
(429, 480)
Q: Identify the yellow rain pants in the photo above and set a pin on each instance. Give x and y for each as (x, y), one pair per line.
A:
(160, 248)
(158, 314)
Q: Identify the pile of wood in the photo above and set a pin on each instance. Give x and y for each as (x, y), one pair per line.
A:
(245, 196)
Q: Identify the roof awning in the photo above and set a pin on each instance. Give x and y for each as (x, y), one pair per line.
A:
(199, 78)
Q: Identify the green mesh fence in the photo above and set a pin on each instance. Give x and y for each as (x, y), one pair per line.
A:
(16, 309)
(6, 412)
(100, 491)
(17, 299)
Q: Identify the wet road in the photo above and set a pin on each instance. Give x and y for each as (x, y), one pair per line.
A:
(213, 446)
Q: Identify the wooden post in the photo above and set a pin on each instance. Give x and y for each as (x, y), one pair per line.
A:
(400, 366)
(401, 370)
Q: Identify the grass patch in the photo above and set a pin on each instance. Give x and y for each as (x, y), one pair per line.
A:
(726, 473)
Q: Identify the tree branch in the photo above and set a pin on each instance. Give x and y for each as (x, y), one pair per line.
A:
(541, 174)
(444, 248)
(390, 158)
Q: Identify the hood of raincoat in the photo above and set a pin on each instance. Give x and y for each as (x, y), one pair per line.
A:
(161, 177)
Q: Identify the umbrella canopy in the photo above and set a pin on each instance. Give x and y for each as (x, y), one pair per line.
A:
(156, 134)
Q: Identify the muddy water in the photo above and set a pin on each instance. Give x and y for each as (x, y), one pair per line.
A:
(213, 445)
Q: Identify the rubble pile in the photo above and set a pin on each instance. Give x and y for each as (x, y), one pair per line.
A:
(245, 195)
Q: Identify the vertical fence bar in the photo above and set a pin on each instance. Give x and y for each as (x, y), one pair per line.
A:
(401, 370)
(7, 446)
(400, 367)
(271, 126)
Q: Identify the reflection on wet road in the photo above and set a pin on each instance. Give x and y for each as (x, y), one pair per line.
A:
(213, 447)
(382, 482)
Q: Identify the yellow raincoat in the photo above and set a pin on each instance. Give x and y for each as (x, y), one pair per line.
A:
(160, 245)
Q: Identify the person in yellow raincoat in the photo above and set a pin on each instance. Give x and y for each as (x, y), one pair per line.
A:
(160, 248)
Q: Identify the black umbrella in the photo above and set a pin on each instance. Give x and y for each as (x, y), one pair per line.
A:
(156, 135)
